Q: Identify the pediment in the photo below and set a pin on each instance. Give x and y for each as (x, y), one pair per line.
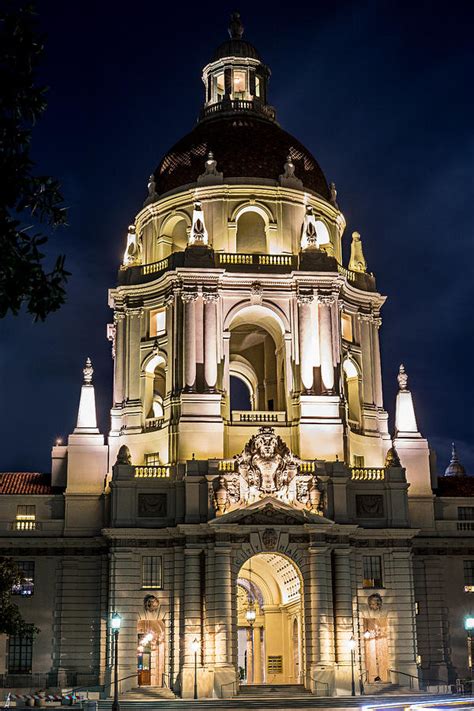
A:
(269, 511)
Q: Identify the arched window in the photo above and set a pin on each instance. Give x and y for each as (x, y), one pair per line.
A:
(351, 386)
(174, 236)
(159, 392)
(251, 236)
(240, 394)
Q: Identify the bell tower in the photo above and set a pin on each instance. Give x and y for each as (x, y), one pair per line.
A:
(233, 309)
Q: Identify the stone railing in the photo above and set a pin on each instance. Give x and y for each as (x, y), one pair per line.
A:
(153, 423)
(159, 471)
(257, 260)
(454, 525)
(226, 465)
(367, 474)
(260, 416)
(238, 105)
(155, 267)
(27, 525)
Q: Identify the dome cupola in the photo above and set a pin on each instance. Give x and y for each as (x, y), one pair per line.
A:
(454, 468)
(236, 79)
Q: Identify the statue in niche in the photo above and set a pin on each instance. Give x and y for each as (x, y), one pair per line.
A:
(375, 604)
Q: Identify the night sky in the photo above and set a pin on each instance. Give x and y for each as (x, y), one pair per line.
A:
(380, 92)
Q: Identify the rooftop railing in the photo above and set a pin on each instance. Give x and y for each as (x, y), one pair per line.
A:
(253, 416)
(238, 105)
(159, 471)
(367, 474)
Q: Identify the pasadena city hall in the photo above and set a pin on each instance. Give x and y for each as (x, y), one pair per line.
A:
(253, 517)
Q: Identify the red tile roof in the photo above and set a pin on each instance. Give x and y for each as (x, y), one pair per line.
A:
(27, 483)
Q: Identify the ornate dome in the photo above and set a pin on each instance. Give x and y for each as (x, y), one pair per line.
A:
(244, 146)
(454, 468)
(235, 48)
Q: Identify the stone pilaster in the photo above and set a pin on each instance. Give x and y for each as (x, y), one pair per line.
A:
(189, 299)
(210, 339)
(223, 606)
(134, 322)
(119, 361)
(377, 367)
(192, 604)
(325, 343)
(343, 604)
(304, 322)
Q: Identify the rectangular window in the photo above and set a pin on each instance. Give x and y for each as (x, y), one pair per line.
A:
(20, 654)
(26, 588)
(275, 665)
(346, 327)
(469, 576)
(466, 513)
(240, 84)
(157, 323)
(372, 571)
(152, 459)
(359, 461)
(25, 518)
(152, 575)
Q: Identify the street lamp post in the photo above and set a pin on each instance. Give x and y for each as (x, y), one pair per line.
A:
(195, 649)
(251, 616)
(469, 627)
(352, 646)
(115, 625)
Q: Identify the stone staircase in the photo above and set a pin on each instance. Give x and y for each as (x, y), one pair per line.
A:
(276, 691)
(270, 701)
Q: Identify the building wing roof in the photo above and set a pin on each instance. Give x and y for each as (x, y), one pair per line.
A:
(27, 483)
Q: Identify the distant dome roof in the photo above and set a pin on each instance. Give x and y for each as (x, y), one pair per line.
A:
(244, 146)
(235, 48)
(454, 468)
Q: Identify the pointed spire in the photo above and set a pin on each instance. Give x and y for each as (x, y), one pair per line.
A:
(87, 416)
(454, 468)
(405, 420)
(357, 261)
(198, 235)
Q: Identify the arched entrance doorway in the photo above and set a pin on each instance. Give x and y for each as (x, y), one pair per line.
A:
(151, 653)
(270, 621)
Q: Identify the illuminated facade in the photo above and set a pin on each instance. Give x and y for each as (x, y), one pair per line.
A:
(250, 506)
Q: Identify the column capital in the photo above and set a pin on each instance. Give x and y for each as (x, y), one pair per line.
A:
(119, 316)
(210, 297)
(135, 312)
(189, 296)
(304, 297)
(326, 298)
(192, 551)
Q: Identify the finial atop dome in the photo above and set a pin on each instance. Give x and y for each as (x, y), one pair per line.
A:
(236, 28)
(454, 468)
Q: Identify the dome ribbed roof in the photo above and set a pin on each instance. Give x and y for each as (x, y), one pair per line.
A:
(454, 468)
(244, 146)
(235, 48)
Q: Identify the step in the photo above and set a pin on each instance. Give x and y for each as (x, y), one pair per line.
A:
(273, 690)
(249, 704)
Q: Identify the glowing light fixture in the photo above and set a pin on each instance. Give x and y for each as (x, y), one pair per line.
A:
(469, 623)
(194, 646)
(115, 621)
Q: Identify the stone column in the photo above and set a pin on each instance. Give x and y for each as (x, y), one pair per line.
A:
(210, 339)
(189, 299)
(192, 603)
(250, 656)
(134, 331)
(366, 350)
(223, 606)
(378, 394)
(120, 355)
(257, 655)
(325, 343)
(343, 604)
(304, 321)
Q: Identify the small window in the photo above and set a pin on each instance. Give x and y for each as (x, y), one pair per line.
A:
(220, 86)
(240, 84)
(152, 572)
(359, 461)
(20, 654)
(466, 513)
(157, 323)
(257, 87)
(25, 588)
(469, 576)
(346, 327)
(25, 518)
(372, 571)
(152, 459)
